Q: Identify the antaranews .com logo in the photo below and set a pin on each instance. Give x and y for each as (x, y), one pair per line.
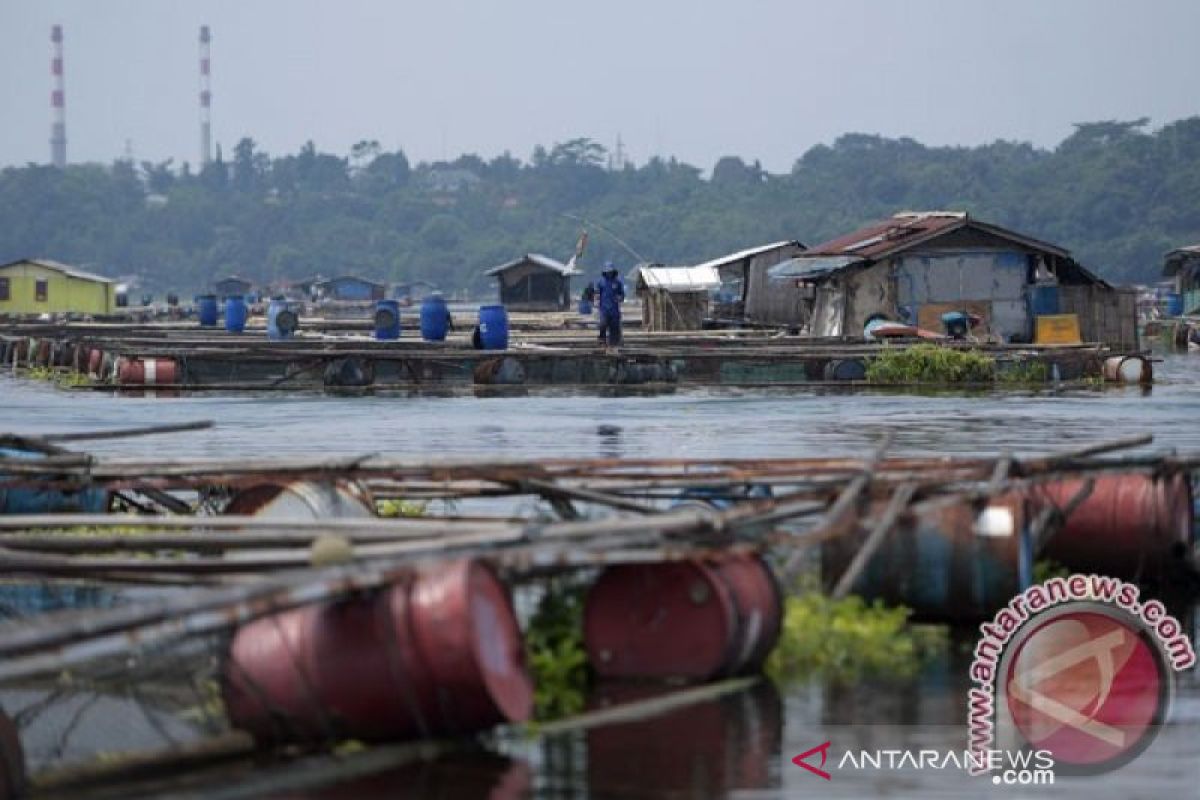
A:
(1077, 668)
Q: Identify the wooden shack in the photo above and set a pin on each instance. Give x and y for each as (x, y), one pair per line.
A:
(232, 286)
(675, 298)
(350, 288)
(915, 266)
(746, 292)
(534, 282)
(42, 286)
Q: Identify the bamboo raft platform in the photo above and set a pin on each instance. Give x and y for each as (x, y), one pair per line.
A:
(197, 568)
(187, 357)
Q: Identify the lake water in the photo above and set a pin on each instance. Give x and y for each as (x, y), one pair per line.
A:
(740, 746)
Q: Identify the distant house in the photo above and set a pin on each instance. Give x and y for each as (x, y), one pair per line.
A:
(451, 180)
(675, 298)
(232, 286)
(350, 288)
(747, 293)
(916, 266)
(1183, 267)
(534, 283)
(39, 286)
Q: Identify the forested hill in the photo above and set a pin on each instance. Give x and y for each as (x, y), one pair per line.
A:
(1115, 193)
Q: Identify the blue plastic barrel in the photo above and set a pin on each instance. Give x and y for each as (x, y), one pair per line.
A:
(435, 318)
(585, 307)
(206, 308)
(235, 313)
(1044, 300)
(1174, 304)
(493, 327)
(387, 319)
(282, 319)
(48, 501)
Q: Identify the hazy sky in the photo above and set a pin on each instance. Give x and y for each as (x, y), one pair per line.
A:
(693, 78)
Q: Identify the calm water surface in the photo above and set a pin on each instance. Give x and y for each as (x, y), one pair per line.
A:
(739, 746)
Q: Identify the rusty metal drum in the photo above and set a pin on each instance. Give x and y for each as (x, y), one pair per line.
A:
(665, 620)
(436, 655)
(948, 563)
(148, 372)
(94, 360)
(1131, 526)
(756, 599)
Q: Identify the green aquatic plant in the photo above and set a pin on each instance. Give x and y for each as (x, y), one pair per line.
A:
(555, 649)
(1024, 372)
(930, 363)
(401, 508)
(848, 639)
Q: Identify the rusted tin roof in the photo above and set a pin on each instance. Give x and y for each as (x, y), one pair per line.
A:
(910, 228)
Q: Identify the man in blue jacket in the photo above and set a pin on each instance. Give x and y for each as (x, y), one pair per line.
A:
(610, 293)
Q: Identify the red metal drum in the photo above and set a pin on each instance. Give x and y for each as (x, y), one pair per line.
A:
(441, 654)
(148, 372)
(756, 599)
(1128, 369)
(42, 355)
(1130, 526)
(12, 761)
(668, 620)
(94, 360)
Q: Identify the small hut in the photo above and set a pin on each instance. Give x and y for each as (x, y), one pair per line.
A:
(232, 286)
(534, 283)
(747, 292)
(350, 288)
(1183, 267)
(675, 298)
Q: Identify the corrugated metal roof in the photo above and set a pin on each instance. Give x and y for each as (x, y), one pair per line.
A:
(910, 228)
(732, 258)
(538, 259)
(1177, 257)
(344, 278)
(65, 269)
(806, 266)
(680, 279)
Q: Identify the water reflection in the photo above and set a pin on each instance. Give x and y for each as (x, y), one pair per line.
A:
(706, 750)
(482, 775)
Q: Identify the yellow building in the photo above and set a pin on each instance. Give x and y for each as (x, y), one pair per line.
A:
(40, 286)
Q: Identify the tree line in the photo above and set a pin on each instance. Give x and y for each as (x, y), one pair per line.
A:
(1117, 194)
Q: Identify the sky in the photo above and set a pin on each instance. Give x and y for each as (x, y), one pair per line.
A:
(694, 79)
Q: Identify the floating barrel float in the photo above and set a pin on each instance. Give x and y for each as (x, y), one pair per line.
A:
(845, 369)
(435, 318)
(206, 310)
(12, 761)
(1132, 526)
(235, 313)
(493, 328)
(283, 320)
(687, 619)
(147, 372)
(95, 359)
(948, 563)
(724, 745)
(47, 501)
(440, 654)
(1128, 369)
(387, 320)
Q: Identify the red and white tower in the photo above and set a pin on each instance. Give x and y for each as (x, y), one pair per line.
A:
(58, 112)
(205, 98)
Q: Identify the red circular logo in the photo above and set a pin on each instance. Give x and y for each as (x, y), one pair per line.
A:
(1090, 687)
